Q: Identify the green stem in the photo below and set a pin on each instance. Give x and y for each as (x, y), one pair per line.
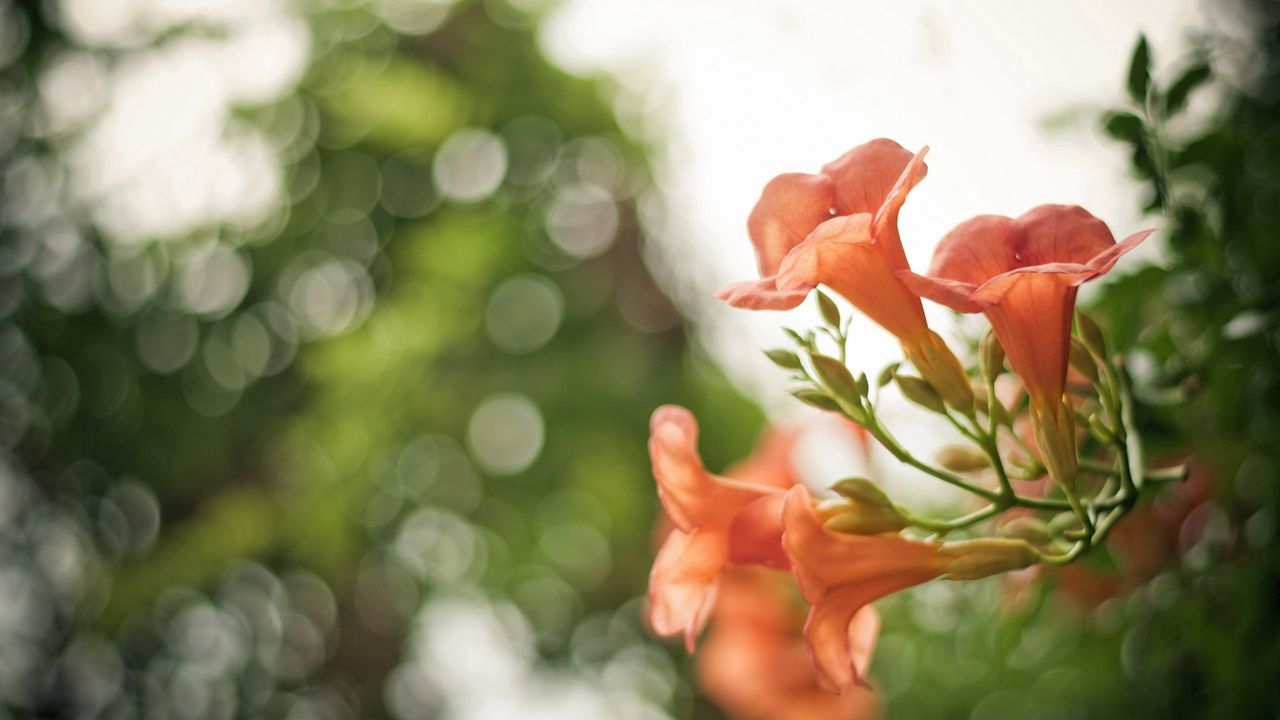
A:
(878, 431)
(946, 526)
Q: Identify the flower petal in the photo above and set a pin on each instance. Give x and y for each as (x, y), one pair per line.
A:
(755, 534)
(790, 207)
(822, 559)
(1061, 234)
(977, 250)
(1030, 313)
(691, 496)
(763, 294)
(952, 293)
(682, 584)
(842, 254)
(830, 628)
(1105, 260)
(885, 226)
(864, 176)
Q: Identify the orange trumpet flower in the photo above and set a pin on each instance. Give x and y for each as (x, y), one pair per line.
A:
(754, 662)
(840, 574)
(1023, 275)
(718, 520)
(839, 228)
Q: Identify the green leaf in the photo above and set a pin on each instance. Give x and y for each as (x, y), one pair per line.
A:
(820, 400)
(1140, 72)
(784, 359)
(836, 377)
(886, 375)
(827, 306)
(1124, 126)
(1181, 89)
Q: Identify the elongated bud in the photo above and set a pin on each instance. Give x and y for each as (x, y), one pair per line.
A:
(1091, 334)
(1082, 361)
(784, 359)
(1033, 530)
(940, 367)
(1056, 436)
(836, 377)
(820, 400)
(920, 392)
(827, 308)
(862, 491)
(963, 458)
(991, 356)
(975, 559)
(863, 520)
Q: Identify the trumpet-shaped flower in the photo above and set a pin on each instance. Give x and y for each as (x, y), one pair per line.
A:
(839, 228)
(840, 574)
(754, 663)
(1023, 275)
(718, 520)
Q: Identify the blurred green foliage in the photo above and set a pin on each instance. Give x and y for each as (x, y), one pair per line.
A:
(323, 426)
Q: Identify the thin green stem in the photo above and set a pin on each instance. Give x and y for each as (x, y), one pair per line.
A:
(946, 526)
(891, 444)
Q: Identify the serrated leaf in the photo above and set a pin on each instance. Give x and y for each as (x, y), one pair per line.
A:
(827, 307)
(784, 359)
(1181, 89)
(1139, 82)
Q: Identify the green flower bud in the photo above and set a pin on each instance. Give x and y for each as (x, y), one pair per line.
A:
(1083, 362)
(1033, 530)
(1091, 334)
(976, 559)
(963, 458)
(991, 356)
(863, 520)
(862, 491)
(920, 392)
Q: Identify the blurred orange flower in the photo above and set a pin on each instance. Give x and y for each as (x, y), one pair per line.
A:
(840, 575)
(755, 664)
(838, 228)
(718, 520)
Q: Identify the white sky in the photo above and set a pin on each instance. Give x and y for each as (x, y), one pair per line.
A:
(735, 92)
